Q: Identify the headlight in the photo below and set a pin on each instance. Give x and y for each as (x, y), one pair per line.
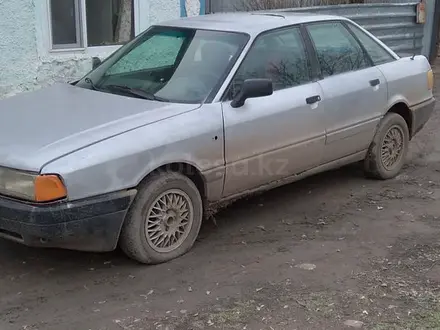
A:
(31, 187)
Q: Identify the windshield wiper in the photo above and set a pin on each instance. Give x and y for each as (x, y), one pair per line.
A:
(140, 93)
(91, 83)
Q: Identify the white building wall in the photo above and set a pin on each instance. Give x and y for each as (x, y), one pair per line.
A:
(26, 61)
(18, 48)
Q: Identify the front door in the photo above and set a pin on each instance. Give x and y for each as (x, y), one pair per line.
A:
(273, 137)
(354, 91)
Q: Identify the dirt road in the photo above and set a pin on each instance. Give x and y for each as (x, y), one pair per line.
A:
(318, 254)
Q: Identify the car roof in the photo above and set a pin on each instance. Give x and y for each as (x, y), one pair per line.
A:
(252, 23)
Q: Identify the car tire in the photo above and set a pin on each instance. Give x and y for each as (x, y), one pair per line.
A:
(387, 152)
(164, 220)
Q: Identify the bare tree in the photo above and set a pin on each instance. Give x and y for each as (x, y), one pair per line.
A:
(124, 25)
(250, 5)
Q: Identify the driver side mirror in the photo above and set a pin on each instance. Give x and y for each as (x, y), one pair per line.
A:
(96, 61)
(252, 88)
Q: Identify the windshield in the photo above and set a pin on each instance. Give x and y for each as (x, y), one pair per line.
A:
(169, 64)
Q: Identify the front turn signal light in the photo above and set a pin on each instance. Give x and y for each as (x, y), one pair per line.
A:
(49, 188)
(430, 80)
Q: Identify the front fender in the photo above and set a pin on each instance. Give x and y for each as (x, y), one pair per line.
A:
(121, 162)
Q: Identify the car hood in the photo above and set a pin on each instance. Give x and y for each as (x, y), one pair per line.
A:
(39, 127)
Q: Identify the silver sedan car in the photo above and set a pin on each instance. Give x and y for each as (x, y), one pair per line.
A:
(196, 111)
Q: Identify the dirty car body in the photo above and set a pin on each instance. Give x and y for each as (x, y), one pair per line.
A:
(235, 102)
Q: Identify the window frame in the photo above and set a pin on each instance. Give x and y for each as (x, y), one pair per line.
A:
(81, 24)
(78, 28)
(310, 61)
(349, 26)
(368, 59)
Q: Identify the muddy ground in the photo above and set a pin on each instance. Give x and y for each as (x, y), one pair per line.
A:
(317, 254)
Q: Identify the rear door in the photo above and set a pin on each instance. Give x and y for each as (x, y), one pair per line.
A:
(354, 91)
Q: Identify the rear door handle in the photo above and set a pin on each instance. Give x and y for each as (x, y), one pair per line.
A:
(313, 99)
(374, 82)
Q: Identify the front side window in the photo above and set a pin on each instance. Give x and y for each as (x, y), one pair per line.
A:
(169, 64)
(108, 22)
(378, 54)
(337, 50)
(279, 56)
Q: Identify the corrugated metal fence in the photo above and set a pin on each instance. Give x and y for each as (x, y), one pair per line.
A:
(215, 6)
(393, 23)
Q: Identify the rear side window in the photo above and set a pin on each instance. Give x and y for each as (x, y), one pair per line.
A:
(378, 54)
(337, 50)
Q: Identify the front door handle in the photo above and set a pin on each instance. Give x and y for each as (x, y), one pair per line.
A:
(374, 82)
(313, 99)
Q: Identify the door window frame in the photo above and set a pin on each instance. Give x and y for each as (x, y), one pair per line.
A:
(312, 64)
(368, 59)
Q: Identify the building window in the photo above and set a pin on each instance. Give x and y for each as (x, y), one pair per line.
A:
(88, 23)
(65, 23)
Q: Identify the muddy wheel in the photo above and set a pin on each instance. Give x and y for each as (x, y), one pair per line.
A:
(387, 153)
(164, 220)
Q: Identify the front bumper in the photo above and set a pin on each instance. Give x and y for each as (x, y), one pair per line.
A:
(421, 113)
(88, 225)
